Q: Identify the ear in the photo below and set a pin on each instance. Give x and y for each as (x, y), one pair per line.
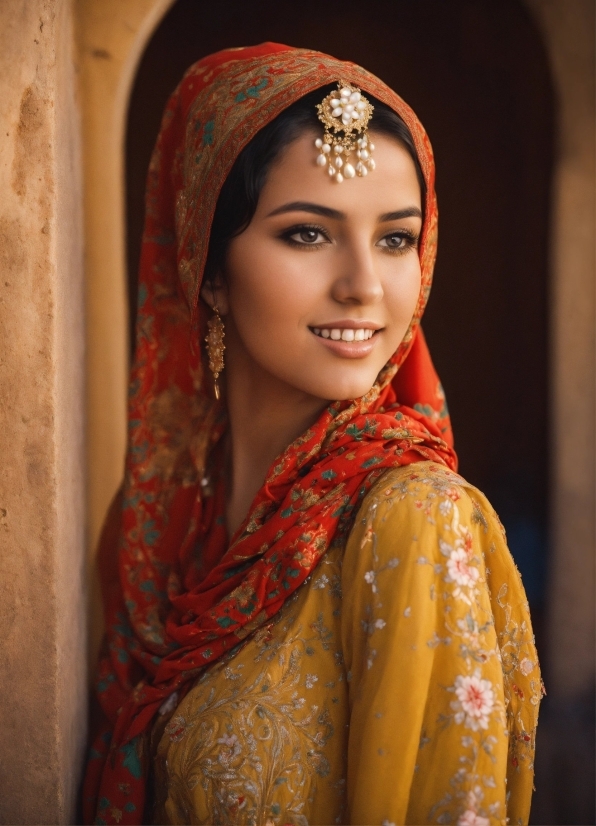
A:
(215, 294)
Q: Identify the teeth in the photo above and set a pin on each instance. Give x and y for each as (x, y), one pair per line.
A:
(349, 334)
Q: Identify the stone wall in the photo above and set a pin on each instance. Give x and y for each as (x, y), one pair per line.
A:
(42, 481)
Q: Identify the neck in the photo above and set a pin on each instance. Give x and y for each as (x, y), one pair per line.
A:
(265, 415)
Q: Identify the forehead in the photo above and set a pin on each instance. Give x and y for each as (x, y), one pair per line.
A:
(295, 176)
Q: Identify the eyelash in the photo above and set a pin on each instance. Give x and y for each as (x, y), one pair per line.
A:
(287, 236)
(411, 238)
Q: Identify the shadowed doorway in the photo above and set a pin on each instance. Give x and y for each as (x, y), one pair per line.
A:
(477, 76)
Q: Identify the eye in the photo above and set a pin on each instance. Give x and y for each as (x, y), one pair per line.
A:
(399, 241)
(395, 241)
(305, 236)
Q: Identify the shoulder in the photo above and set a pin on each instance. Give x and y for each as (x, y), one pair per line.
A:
(411, 504)
(424, 536)
(422, 528)
(414, 571)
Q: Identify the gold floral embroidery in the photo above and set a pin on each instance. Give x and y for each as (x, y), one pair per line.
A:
(263, 736)
(249, 743)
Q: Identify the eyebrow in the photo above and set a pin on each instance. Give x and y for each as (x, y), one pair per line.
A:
(336, 215)
(409, 212)
(306, 206)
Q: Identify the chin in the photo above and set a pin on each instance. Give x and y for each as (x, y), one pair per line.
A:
(339, 390)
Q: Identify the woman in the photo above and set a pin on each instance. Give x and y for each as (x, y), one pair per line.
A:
(313, 618)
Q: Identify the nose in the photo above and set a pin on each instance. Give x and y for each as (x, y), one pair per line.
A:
(358, 281)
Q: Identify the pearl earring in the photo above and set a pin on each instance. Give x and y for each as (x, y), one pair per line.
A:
(215, 347)
(345, 111)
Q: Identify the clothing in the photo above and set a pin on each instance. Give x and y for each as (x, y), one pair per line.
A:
(384, 691)
(180, 594)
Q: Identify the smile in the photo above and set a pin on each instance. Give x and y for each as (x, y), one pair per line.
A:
(346, 334)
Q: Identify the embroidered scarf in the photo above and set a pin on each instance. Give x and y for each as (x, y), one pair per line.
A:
(182, 596)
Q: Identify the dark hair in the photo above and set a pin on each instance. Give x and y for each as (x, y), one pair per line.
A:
(239, 195)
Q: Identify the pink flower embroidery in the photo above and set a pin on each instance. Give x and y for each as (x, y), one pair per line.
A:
(459, 569)
(470, 818)
(475, 701)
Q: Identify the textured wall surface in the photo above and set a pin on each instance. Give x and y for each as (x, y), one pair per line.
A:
(42, 620)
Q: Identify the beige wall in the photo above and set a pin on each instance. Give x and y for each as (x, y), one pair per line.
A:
(42, 617)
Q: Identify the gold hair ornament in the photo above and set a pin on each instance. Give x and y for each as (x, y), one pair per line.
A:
(345, 115)
(215, 347)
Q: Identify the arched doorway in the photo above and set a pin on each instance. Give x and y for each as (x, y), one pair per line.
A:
(478, 77)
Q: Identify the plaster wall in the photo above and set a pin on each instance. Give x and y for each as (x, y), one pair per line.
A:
(42, 616)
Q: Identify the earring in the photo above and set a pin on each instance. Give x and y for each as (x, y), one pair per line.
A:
(215, 347)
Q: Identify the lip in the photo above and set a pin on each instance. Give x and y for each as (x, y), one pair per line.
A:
(349, 324)
(348, 349)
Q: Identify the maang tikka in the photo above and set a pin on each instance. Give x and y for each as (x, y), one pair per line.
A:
(345, 115)
(215, 347)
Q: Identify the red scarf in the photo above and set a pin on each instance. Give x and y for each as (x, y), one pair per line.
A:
(181, 596)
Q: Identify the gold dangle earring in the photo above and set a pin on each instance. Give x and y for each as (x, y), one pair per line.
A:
(215, 346)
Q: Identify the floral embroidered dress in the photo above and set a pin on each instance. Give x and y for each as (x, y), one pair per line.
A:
(360, 650)
(399, 685)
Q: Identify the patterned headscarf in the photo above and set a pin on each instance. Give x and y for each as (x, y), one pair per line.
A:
(183, 596)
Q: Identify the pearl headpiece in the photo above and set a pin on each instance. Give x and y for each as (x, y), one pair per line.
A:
(345, 115)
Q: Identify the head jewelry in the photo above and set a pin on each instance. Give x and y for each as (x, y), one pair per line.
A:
(345, 115)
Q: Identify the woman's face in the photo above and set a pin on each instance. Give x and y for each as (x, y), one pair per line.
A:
(322, 285)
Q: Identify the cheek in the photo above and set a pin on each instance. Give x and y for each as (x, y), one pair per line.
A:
(251, 283)
(269, 289)
(402, 292)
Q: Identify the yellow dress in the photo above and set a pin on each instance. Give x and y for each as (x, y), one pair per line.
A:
(399, 685)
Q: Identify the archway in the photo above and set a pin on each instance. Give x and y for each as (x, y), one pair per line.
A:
(478, 77)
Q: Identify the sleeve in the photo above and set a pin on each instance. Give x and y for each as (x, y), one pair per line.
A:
(444, 682)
